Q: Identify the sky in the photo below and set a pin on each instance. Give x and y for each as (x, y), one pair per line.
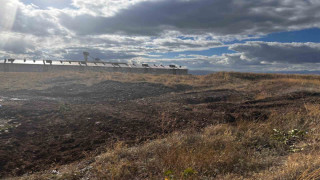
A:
(214, 35)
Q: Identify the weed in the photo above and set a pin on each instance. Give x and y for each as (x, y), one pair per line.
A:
(169, 175)
(289, 138)
(188, 173)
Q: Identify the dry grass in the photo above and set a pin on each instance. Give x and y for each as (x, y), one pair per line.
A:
(243, 150)
(15, 81)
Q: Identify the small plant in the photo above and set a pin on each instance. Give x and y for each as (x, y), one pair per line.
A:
(189, 172)
(169, 175)
(289, 138)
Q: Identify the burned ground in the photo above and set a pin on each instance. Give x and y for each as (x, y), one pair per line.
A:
(67, 122)
(103, 91)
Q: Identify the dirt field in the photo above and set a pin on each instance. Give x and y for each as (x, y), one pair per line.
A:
(67, 121)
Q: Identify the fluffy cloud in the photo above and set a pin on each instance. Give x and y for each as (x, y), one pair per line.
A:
(28, 19)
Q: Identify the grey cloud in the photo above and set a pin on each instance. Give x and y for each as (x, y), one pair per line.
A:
(295, 53)
(221, 17)
(16, 44)
(36, 25)
(18, 47)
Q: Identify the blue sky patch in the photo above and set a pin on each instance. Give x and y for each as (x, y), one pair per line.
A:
(44, 4)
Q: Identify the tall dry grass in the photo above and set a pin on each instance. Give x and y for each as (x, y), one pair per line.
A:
(242, 150)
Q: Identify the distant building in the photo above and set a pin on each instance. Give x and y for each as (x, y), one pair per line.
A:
(12, 65)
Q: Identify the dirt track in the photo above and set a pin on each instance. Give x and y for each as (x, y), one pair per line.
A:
(62, 124)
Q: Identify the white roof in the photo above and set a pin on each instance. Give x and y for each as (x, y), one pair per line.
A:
(91, 64)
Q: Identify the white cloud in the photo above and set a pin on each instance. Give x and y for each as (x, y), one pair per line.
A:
(174, 44)
(18, 17)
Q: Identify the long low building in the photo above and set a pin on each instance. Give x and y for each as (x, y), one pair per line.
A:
(12, 65)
